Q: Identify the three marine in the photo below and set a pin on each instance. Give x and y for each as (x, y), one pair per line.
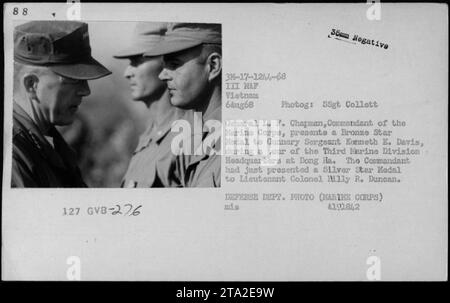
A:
(175, 69)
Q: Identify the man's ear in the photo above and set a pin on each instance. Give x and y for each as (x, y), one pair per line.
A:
(30, 82)
(215, 65)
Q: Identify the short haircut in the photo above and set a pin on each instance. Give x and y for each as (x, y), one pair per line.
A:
(208, 49)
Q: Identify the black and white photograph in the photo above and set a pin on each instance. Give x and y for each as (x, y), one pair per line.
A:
(72, 131)
(225, 142)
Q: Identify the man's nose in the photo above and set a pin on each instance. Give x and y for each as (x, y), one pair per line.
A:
(164, 75)
(128, 72)
(84, 89)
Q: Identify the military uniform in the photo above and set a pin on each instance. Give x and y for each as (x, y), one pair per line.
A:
(36, 163)
(38, 159)
(202, 170)
(153, 162)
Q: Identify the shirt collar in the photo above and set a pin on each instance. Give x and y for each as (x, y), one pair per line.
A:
(161, 130)
(216, 114)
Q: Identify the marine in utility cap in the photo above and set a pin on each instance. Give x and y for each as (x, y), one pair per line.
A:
(192, 55)
(52, 63)
(152, 163)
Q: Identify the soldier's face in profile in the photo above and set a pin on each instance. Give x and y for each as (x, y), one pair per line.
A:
(59, 97)
(142, 74)
(186, 77)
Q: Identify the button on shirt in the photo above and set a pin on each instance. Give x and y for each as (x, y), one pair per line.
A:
(153, 162)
